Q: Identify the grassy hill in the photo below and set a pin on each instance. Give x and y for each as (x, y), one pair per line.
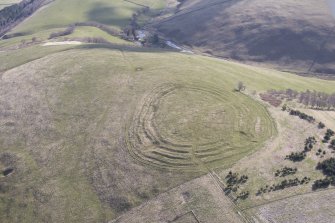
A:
(289, 35)
(121, 133)
(114, 13)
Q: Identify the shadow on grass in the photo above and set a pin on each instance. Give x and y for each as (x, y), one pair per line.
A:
(13, 35)
(107, 15)
(122, 47)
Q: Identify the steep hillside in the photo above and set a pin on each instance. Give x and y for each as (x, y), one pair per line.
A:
(294, 35)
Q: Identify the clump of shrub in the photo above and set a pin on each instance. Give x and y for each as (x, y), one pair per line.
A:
(285, 171)
(320, 152)
(321, 125)
(283, 184)
(284, 107)
(309, 143)
(243, 195)
(302, 115)
(332, 144)
(328, 169)
(119, 203)
(234, 181)
(93, 40)
(328, 135)
(69, 30)
(296, 156)
(322, 183)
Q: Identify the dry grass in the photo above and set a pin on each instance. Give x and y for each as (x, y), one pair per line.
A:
(327, 117)
(199, 200)
(308, 208)
(261, 167)
(65, 115)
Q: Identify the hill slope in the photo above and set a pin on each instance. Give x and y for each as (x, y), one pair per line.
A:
(287, 34)
(116, 132)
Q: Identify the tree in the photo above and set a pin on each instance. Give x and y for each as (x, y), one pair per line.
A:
(13, 14)
(321, 125)
(154, 39)
(284, 108)
(240, 86)
(332, 144)
(296, 156)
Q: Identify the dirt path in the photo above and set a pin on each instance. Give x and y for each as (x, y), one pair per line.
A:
(62, 43)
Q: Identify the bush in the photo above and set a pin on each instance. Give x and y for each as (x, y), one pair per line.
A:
(328, 135)
(243, 195)
(321, 125)
(330, 132)
(285, 172)
(296, 157)
(233, 181)
(309, 143)
(240, 86)
(322, 183)
(119, 204)
(326, 138)
(327, 167)
(283, 184)
(332, 144)
(154, 39)
(69, 30)
(302, 115)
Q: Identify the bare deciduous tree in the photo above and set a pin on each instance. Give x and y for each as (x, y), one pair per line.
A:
(240, 86)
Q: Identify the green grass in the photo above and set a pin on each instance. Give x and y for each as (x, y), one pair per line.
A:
(11, 59)
(42, 35)
(86, 31)
(222, 72)
(116, 13)
(217, 128)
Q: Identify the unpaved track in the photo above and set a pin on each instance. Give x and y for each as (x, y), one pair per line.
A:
(62, 43)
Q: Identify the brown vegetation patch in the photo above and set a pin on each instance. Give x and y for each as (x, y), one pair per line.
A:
(271, 99)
